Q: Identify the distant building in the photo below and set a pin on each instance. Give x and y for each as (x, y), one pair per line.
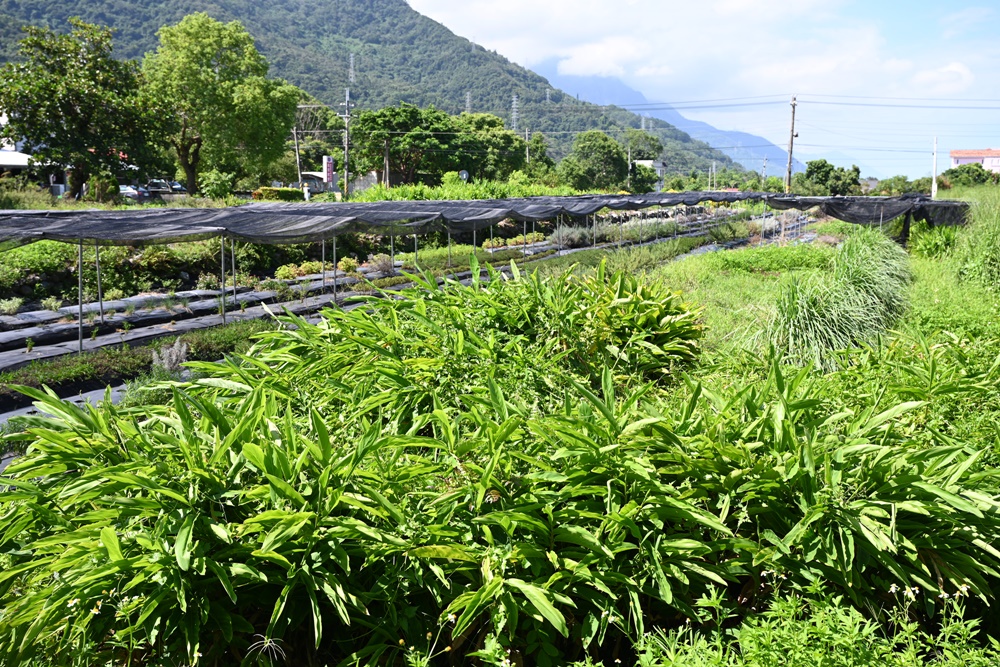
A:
(988, 157)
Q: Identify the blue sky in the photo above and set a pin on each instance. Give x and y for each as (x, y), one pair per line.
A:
(864, 56)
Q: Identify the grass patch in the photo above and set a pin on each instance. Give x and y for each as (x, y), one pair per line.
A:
(865, 296)
(774, 258)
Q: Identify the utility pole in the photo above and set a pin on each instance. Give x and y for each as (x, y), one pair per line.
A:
(527, 147)
(347, 141)
(385, 166)
(298, 159)
(513, 115)
(934, 173)
(791, 148)
(763, 173)
(630, 167)
(712, 182)
(468, 101)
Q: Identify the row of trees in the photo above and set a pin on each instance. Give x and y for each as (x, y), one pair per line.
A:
(202, 98)
(202, 101)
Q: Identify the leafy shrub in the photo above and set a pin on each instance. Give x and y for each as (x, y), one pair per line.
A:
(288, 272)
(571, 237)
(52, 303)
(114, 294)
(934, 243)
(10, 306)
(278, 194)
(208, 281)
(311, 268)
(382, 264)
(347, 264)
(216, 184)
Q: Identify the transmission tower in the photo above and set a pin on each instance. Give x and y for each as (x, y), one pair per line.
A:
(468, 101)
(514, 115)
(548, 96)
(347, 140)
(350, 72)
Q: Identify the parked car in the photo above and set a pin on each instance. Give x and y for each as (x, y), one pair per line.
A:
(177, 188)
(128, 192)
(158, 187)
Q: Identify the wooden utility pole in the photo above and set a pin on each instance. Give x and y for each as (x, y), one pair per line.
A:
(347, 143)
(791, 149)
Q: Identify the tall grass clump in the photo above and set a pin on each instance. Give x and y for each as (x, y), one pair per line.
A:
(862, 298)
(978, 249)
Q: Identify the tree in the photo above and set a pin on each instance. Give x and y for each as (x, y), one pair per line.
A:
(968, 175)
(596, 162)
(644, 179)
(75, 105)
(421, 142)
(643, 146)
(214, 82)
(491, 152)
(821, 178)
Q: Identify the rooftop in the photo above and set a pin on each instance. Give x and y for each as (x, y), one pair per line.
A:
(984, 152)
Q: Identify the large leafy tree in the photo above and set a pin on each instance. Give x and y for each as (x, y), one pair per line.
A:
(75, 105)
(822, 178)
(596, 162)
(492, 152)
(228, 114)
(422, 144)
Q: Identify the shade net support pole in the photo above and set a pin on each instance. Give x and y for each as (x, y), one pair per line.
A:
(232, 250)
(223, 273)
(79, 271)
(100, 292)
(416, 256)
(334, 270)
(524, 239)
(392, 249)
(449, 248)
(322, 262)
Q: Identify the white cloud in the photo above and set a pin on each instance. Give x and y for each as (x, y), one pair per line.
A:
(710, 49)
(966, 21)
(952, 79)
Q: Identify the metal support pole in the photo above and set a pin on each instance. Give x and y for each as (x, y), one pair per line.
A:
(449, 248)
(621, 231)
(524, 239)
(474, 246)
(79, 270)
(416, 260)
(100, 292)
(594, 218)
(491, 239)
(392, 249)
(334, 270)
(232, 249)
(322, 261)
(223, 279)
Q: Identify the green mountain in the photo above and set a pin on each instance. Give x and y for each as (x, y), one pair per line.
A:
(399, 55)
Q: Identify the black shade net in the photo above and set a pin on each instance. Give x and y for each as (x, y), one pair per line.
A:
(285, 223)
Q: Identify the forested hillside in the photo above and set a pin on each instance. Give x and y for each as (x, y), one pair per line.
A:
(400, 55)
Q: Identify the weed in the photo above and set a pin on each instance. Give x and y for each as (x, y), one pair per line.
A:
(52, 303)
(10, 306)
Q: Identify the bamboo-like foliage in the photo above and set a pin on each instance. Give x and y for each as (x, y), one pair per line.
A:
(388, 479)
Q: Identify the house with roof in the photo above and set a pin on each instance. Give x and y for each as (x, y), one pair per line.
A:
(988, 157)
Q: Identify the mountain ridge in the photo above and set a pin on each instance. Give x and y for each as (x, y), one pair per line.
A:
(400, 55)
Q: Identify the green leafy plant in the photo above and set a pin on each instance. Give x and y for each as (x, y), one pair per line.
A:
(52, 303)
(10, 306)
(347, 264)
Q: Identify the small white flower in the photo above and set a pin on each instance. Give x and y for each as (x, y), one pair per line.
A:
(894, 589)
(943, 596)
(72, 603)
